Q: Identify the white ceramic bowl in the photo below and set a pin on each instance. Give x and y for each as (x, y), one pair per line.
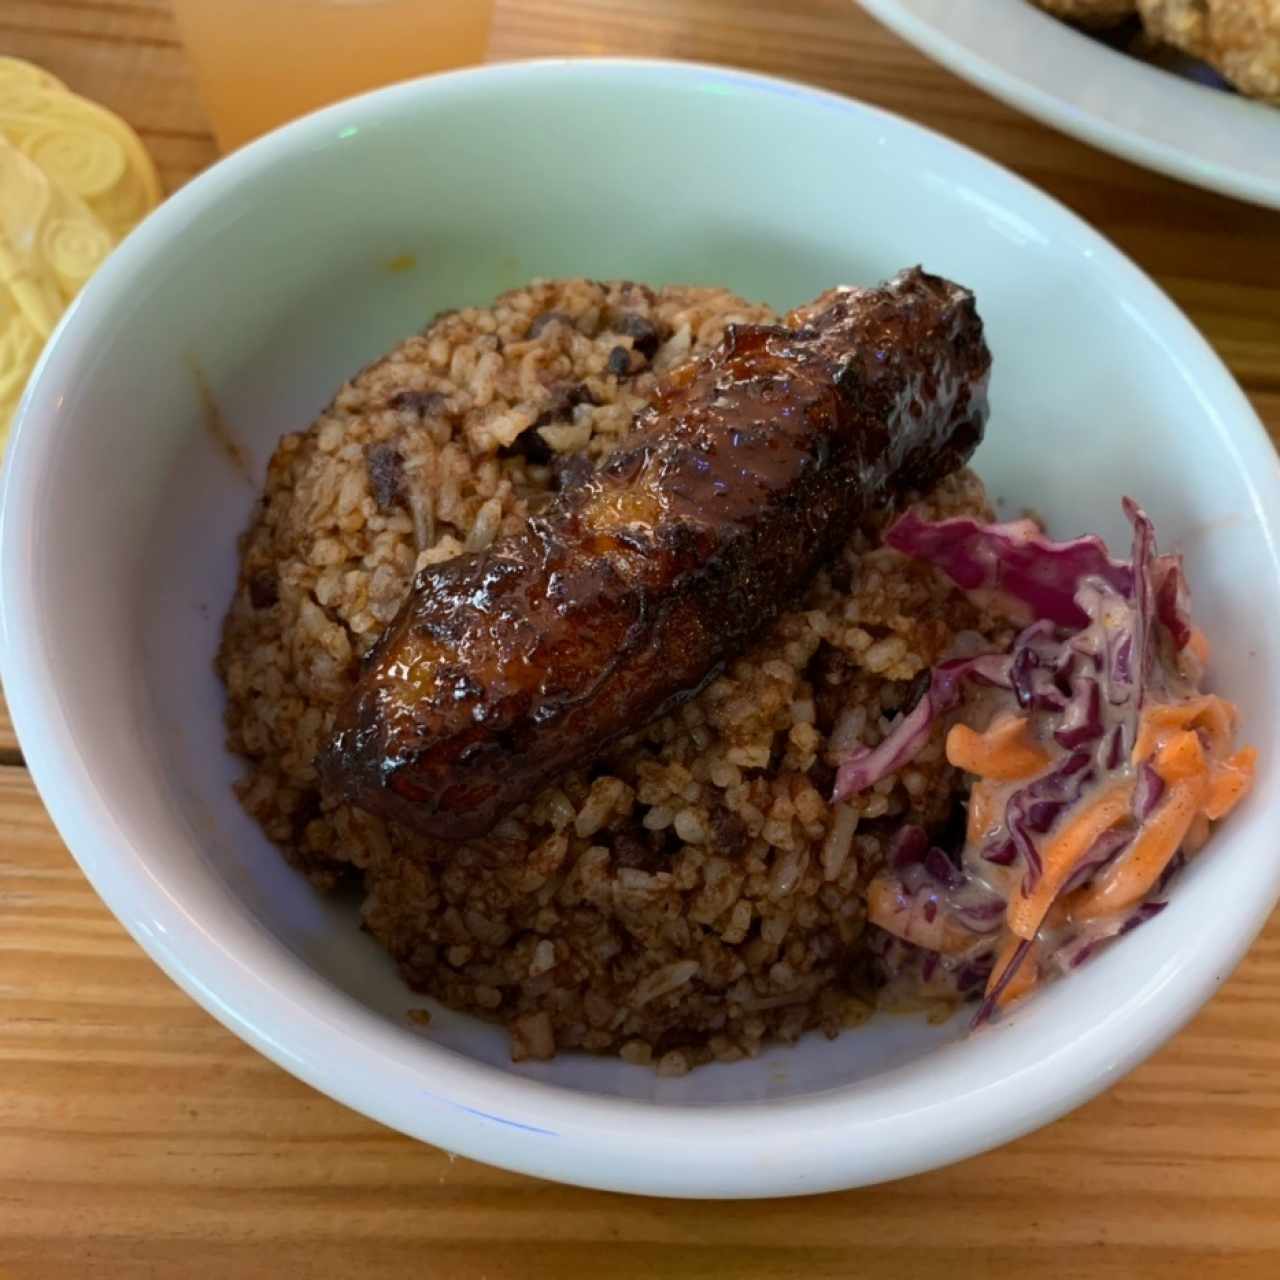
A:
(1077, 84)
(269, 276)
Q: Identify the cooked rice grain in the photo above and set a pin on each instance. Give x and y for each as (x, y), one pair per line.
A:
(691, 895)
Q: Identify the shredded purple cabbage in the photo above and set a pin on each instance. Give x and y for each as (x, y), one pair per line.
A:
(927, 879)
(1106, 848)
(1092, 637)
(1084, 944)
(863, 767)
(992, 998)
(1144, 594)
(1088, 657)
(1147, 793)
(1015, 559)
(1040, 668)
(1173, 606)
(908, 846)
(1033, 809)
(1082, 719)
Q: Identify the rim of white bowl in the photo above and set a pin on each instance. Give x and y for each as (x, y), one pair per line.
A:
(1069, 117)
(858, 1134)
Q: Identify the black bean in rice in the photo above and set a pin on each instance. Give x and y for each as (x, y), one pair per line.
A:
(693, 894)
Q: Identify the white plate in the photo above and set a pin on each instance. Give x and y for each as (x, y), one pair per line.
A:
(121, 511)
(1077, 84)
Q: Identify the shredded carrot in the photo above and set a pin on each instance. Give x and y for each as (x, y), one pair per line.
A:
(1213, 714)
(1181, 756)
(892, 911)
(1189, 745)
(1199, 788)
(1130, 879)
(1022, 980)
(1063, 853)
(1005, 752)
(983, 812)
(1230, 781)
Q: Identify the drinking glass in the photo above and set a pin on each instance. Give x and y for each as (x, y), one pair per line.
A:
(262, 62)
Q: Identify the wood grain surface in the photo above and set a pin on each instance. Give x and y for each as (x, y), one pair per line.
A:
(138, 1138)
(10, 753)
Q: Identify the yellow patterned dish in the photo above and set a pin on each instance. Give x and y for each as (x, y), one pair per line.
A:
(74, 178)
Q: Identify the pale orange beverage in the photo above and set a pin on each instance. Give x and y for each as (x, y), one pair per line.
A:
(262, 62)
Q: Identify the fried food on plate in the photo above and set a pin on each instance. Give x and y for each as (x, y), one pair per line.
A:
(1240, 38)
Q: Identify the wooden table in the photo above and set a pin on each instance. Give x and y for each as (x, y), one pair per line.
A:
(138, 1138)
